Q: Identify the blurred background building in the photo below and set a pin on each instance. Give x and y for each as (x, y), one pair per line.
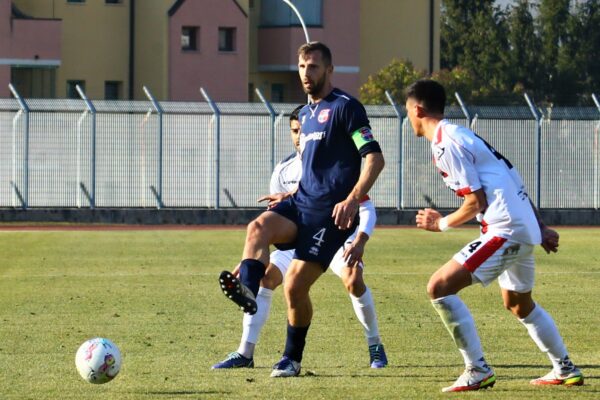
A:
(111, 48)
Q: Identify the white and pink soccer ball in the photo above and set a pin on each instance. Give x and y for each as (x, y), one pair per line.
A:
(98, 360)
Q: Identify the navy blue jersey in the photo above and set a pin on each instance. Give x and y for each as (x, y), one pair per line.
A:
(335, 134)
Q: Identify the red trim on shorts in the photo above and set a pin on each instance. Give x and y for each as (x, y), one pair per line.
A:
(484, 253)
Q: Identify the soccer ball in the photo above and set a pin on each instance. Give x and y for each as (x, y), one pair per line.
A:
(98, 360)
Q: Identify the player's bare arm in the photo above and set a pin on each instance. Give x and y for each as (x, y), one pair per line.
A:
(353, 252)
(474, 203)
(550, 237)
(345, 211)
(276, 198)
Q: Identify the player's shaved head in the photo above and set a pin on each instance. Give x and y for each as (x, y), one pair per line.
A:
(429, 93)
(307, 48)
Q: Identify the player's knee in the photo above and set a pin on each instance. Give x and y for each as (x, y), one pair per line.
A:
(272, 279)
(435, 289)
(295, 291)
(354, 284)
(255, 230)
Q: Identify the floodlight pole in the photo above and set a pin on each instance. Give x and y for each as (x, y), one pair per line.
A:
(293, 7)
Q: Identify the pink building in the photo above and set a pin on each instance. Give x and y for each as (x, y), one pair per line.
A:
(208, 47)
(29, 52)
(280, 34)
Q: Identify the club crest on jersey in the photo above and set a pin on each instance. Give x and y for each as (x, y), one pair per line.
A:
(366, 134)
(324, 115)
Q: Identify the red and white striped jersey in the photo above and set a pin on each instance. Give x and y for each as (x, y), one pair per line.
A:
(468, 163)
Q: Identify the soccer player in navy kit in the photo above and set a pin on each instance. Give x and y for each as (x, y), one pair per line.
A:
(317, 218)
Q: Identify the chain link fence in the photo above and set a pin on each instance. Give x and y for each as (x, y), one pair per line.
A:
(148, 154)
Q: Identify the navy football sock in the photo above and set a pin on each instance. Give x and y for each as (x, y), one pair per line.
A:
(251, 272)
(294, 344)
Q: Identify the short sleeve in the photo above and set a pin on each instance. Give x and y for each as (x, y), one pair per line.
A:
(458, 168)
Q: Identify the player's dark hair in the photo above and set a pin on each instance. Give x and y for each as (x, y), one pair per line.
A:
(429, 93)
(294, 114)
(316, 46)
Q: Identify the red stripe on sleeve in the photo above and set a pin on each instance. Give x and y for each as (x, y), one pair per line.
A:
(484, 253)
(463, 191)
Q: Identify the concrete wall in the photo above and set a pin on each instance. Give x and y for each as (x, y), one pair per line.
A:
(199, 216)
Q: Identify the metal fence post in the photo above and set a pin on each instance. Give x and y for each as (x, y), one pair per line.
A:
(158, 193)
(464, 108)
(217, 148)
(400, 199)
(596, 156)
(538, 149)
(80, 186)
(24, 197)
(273, 118)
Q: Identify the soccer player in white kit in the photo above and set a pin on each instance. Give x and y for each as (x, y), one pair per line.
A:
(347, 264)
(493, 193)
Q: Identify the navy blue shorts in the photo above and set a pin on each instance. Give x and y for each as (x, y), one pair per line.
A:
(318, 238)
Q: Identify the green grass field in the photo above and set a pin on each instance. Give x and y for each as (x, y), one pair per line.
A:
(155, 294)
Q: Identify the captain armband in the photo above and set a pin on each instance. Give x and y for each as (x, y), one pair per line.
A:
(365, 142)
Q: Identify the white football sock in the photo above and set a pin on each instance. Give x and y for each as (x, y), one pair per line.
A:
(364, 308)
(459, 322)
(253, 324)
(543, 331)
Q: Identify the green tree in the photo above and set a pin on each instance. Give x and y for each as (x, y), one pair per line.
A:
(524, 44)
(582, 52)
(458, 80)
(394, 78)
(553, 26)
(475, 37)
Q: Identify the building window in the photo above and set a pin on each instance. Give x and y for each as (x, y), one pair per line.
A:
(226, 39)
(189, 38)
(72, 91)
(112, 90)
(277, 13)
(277, 92)
(113, 1)
(76, 1)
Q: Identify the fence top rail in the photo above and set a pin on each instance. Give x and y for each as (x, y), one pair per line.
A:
(258, 109)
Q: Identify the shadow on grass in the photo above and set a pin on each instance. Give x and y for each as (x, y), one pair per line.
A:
(187, 392)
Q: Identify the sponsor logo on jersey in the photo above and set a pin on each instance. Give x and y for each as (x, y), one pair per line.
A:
(366, 134)
(439, 151)
(323, 116)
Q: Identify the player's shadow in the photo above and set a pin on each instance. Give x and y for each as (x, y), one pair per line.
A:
(188, 392)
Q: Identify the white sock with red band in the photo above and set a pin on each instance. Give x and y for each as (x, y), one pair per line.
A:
(461, 326)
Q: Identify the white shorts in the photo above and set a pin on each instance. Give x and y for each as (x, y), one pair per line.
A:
(283, 258)
(489, 257)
